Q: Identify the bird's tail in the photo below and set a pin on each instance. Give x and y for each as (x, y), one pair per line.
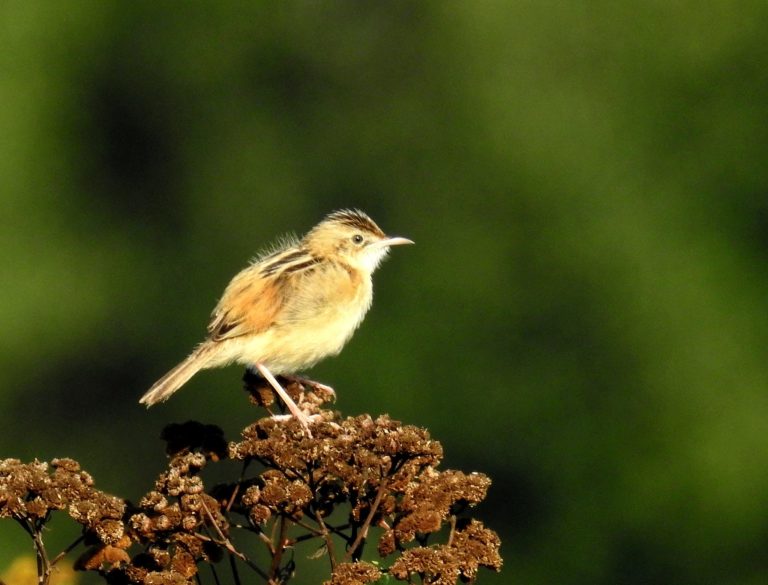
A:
(178, 376)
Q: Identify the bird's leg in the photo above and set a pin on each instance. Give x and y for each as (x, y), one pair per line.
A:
(312, 384)
(295, 410)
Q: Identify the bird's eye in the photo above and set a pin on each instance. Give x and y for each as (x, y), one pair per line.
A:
(357, 239)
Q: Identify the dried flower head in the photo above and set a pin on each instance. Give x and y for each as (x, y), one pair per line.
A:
(357, 573)
(357, 479)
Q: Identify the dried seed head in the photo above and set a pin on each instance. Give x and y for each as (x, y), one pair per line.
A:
(357, 573)
(371, 472)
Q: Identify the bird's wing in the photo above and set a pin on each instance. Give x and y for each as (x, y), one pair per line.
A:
(256, 296)
(247, 307)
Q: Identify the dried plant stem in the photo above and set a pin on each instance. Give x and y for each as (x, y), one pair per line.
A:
(227, 544)
(218, 530)
(328, 539)
(363, 532)
(234, 552)
(232, 498)
(453, 530)
(67, 550)
(237, 486)
(43, 564)
(313, 532)
(277, 555)
(235, 572)
(268, 542)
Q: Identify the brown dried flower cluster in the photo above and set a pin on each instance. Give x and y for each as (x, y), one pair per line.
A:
(171, 521)
(29, 492)
(356, 573)
(385, 474)
(357, 480)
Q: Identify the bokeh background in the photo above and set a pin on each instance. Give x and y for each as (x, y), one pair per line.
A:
(584, 316)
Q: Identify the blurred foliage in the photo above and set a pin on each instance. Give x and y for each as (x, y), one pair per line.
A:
(23, 571)
(584, 317)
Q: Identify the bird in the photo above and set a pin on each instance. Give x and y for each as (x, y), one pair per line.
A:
(295, 304)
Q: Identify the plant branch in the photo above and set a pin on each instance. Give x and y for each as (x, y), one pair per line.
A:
(226, 543)
(278, 554)
(233, 551)
(328, 539)
(43, 564)
(235, 573)
(453, 530)
(363, 532)
(67, 550)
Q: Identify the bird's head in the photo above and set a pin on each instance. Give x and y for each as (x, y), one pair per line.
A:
(352, 237)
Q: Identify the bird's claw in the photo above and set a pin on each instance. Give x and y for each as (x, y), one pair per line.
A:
(308, 418)
(323, 388)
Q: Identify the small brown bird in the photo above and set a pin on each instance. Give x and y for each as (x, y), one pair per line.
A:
(292, 306)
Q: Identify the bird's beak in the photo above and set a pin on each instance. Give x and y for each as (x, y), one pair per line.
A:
(396, 241)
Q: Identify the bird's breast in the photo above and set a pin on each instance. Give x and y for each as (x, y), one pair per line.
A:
(323, 309)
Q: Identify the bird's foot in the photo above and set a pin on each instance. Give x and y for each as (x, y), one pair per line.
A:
(323, 389)
(284, 417)
(287, 400)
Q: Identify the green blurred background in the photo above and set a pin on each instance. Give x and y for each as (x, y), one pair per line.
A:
(584, 316)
